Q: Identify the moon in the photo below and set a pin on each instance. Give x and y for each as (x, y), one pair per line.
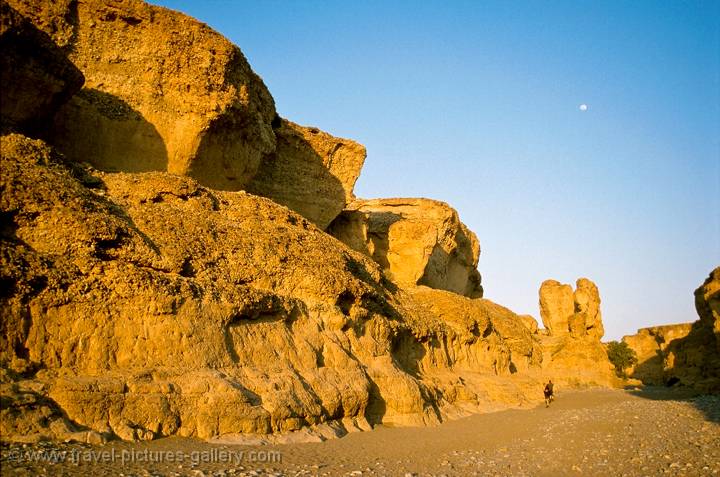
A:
(583, 107)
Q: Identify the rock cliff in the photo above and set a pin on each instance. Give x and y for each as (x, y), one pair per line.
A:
(415, 241)
(688, 353)
(651, 347)
(163, 92)
(139, 303)
(311, 172)
(142, 304)
(697, 356)
(35, 74)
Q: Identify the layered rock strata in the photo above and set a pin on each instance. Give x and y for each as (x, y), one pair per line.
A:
(144, 305)
(139, 304)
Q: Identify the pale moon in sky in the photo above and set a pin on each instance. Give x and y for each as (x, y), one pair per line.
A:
(583, 107)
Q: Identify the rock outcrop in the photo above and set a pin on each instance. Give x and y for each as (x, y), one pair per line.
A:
(573, 329)
(530, 323)
(564, 311)
(415, 241)
(139, 304)
(697, 356)
(163, 92)
(651, 347)
(310, 172)
(587, 305)
(556, 306)
(142, 305)
(36, 76)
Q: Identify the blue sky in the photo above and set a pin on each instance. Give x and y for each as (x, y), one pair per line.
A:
(477, 104)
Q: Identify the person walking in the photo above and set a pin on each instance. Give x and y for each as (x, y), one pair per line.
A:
(549, 393)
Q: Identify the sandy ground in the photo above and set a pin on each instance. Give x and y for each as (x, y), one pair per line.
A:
(594, 432)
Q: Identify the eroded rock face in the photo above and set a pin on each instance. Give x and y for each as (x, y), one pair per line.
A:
(576, 361)
(415, 241)
(572, 351)
(707, 303)
(651, 347)
(163, 92)
(36, 76)
(556, 306)
(564, 311)
(144, 305)
(311, 172)
(697, 356)
(587, 304)
(530, 323)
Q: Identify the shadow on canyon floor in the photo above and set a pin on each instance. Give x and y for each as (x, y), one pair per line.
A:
(710, 408)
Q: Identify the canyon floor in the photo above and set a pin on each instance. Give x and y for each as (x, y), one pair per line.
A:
(593, 432)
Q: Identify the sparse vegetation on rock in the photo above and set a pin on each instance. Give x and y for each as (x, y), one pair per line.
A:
(621, 356)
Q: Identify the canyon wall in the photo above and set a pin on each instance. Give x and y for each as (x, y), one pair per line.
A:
(165, 270)
(651, 347)
(415, 241)
(143, 304)
(686, 354)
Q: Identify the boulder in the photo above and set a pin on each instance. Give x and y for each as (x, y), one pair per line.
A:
(36, 76)
(415, 241)
(310, 172)
(163, 92)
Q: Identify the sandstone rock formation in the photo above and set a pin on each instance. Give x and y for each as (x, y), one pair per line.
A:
(35, 74)
(571, 344)
(651, 347)
(556, 306)
(415, 241)
(577, 361)
(163, 92)
(587, 304)
(697, 356)
(707, 304)
(142, 304)
(564, 311)
(311, 172)
(530, 323)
